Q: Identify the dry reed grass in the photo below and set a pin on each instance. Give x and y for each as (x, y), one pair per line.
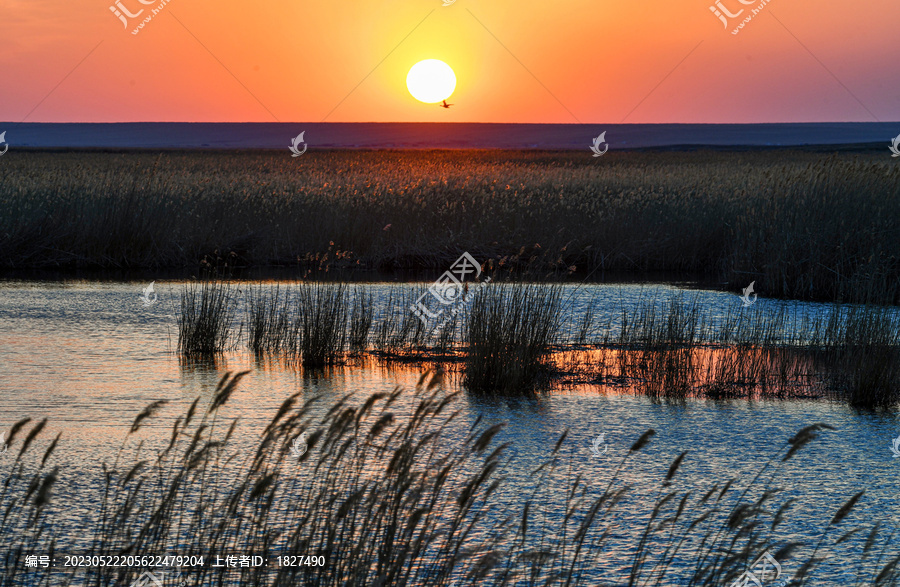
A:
(391, 494)
(807, 225)
(508, 335)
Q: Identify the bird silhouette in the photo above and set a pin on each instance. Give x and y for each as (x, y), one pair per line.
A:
(445, 105)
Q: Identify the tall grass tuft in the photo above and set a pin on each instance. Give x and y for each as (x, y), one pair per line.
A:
(508, 333)
(400, 332)
(271, 324)
(205, 319)
(658, 346)
(861, 354)
(362, 313)
(322, 320)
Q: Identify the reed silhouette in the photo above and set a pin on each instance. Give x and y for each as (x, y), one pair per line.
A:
(509, 337)
(394, 489)
(808, 225)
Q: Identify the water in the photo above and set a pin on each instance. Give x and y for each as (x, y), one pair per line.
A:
(89, 356)
(405, 135)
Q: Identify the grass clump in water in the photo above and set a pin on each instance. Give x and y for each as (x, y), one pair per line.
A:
(322, 319)
(362, 313)
(508, 334)
(205, 319)
(271, 324)
(861, 355)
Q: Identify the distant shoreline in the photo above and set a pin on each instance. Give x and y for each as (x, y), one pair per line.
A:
(812, 148)
(446, 136)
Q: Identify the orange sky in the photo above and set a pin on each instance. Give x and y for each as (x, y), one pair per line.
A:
(590, 61)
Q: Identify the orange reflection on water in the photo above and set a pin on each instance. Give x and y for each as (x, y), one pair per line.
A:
(691, 371)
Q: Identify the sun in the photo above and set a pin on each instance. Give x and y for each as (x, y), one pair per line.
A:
(431, 81)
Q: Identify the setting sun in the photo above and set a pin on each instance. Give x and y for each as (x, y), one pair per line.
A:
(431, 81)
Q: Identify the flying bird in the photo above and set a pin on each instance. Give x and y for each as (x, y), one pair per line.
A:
(445, 105)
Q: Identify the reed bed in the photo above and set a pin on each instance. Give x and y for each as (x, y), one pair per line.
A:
(862, 344)
(508, 337)
(670, 349)
(394, 489)
(711, 371)
(805, 224)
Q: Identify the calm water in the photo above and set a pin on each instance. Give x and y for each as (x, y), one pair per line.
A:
(89, 356)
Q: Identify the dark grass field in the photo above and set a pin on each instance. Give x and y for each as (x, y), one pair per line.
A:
(803, 223)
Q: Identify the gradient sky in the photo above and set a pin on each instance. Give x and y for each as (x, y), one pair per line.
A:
(589, 61)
